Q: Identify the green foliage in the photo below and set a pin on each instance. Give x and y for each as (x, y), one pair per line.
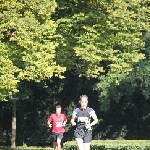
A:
(92, 38)
(8, 80)
(123, 85)
(111, 33)
(27, 43)
(112, 144)
(105, 40)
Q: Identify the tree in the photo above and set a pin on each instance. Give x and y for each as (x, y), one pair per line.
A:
(102, 39)
(27, 45)
(94, 38)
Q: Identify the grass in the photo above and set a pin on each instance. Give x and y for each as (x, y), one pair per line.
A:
(25, 148)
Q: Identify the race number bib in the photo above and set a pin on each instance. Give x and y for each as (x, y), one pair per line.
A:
(58, 124)
(82, 119)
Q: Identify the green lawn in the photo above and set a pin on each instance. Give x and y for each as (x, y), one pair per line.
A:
(25, 148)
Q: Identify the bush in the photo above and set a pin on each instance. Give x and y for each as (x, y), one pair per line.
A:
(112, 144)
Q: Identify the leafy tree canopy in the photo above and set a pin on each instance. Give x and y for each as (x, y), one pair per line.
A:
(27, 43)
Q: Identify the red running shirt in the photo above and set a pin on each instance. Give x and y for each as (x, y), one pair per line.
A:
(57, 121)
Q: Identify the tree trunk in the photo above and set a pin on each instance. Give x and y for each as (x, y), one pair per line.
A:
(13, 134)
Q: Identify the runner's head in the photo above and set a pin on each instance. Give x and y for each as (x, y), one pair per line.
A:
(58, 109)
(83, 101)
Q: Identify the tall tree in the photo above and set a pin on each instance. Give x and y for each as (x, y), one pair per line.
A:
(28, 43)
(96, 38)
(27, 46)
(105, 39)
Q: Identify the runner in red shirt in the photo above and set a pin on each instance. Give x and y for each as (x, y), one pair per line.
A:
(57, 122)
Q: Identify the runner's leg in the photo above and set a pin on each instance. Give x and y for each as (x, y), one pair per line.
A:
(55, 145)
(79, 142)
(58, 144)
(87, 146)
(54, 135)
(59, 138)
(87, 140)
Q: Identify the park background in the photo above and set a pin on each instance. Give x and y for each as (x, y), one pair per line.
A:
(51, 52)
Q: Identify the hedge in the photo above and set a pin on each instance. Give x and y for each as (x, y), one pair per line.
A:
(112, 145)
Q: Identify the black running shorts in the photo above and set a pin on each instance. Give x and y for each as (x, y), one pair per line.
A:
(57, 135)
(86, 135)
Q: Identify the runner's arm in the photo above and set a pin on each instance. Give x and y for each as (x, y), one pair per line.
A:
(73, 123)
(65, 121)
(95, 120)
(49, 121)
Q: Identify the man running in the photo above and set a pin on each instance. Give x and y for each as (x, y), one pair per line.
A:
(57, 122)
(81, 118)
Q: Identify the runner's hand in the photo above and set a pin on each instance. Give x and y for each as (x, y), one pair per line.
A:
(73, 123)
(50, 125)
(63, 124)
(88, 126)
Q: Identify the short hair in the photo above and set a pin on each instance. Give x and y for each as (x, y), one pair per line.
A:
(58, 106)
(83, 96)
